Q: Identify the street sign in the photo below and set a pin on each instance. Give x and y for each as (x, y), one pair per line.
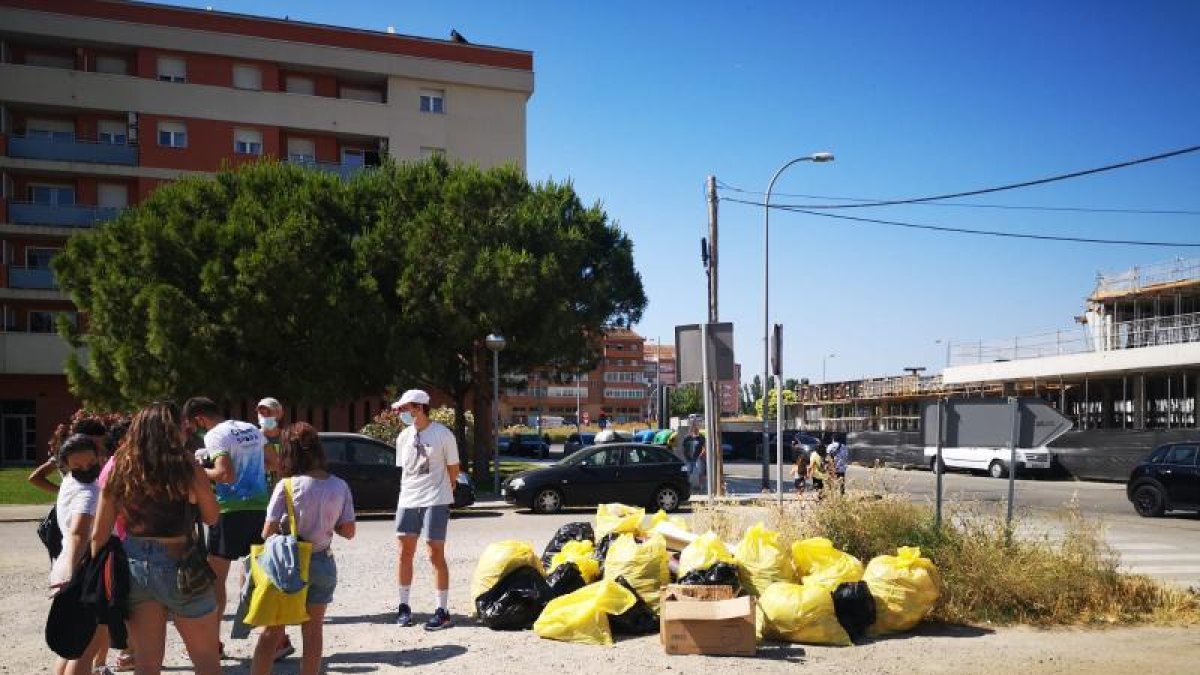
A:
(689, 364)
(987, 423)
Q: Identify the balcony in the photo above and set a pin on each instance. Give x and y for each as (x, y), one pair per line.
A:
(64, 215)
(39, 278)
(34, 353)
(71, 149)
(344, 171)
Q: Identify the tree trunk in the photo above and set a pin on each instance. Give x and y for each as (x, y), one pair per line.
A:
(482, 405)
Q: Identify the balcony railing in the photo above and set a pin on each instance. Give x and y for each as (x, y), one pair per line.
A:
(344, 171)
(71, 149)
(31, 278)
(65, 215)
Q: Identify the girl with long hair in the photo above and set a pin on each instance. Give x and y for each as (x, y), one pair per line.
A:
(323, 506)
(159, 490)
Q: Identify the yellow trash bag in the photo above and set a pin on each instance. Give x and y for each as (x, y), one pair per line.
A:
(582, 616)
(618, 518)
(761, 560)
(270, 606)
(818, 562)
(662, 517)
(580, 553)
(643, 565)
(905, 587)
(707, 550)
(499, 559)
(799, 613)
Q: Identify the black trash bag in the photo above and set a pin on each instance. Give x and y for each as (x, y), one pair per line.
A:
(855, 607)
(570, 532)
(601, 550)
(515, 602)
(637, 620)
(566, 578)
(720, 574)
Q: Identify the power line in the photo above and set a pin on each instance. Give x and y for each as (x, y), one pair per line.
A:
(965, 205)
(986, 233)
(1014, 186)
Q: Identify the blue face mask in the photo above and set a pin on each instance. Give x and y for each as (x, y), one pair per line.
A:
(407, 418)
(267, 423)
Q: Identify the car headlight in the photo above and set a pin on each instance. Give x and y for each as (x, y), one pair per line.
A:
(517, 483)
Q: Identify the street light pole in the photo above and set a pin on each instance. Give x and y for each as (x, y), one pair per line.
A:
(817, 157)
(495, 343)
(823, 358)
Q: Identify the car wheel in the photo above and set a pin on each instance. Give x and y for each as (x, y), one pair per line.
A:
(936, 466)
(996, 469)
(666, 498)
(1148, 501)
(548, 500)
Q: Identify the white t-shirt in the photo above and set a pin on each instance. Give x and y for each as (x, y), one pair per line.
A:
(244, 444)
(74, 499)
(423, 457)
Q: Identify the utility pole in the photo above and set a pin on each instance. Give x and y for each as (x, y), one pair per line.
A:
(713, 390)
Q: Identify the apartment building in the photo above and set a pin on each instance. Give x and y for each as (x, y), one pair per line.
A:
(617, 387)
(101, 101)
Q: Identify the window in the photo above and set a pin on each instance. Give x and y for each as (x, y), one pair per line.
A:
(1184, 455)
(54, 130)
(354, 156)
(294, 84)
(38, 257)
(373, 454)
(52, 195)
(50, 60)
(624, 377)
(361, 94)
(604, 457)
(427, 152)
(567, 392)
(247, 77)
(41, 321)
(624, 393)
(302, 150)
(172, 134)
(172, 69)
(112, 132)
(335, 450)
(113, 195)
(247, 141)
(114, 65)
(433, 101)
(648, 456)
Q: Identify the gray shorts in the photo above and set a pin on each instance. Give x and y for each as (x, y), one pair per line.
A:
(428, 520)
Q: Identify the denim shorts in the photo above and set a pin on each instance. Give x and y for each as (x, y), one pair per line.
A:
(153, 575)
(322, 578)
(430, 520)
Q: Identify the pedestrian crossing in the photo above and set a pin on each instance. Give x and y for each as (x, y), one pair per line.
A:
(1172, 563)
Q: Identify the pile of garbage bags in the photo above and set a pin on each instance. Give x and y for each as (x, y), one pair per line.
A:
(592, 582)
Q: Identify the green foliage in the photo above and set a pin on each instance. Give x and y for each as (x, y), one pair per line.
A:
(686, 400)
(386, 425)
(789, 397)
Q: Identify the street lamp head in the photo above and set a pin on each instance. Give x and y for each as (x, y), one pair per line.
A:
(495, 342)
(821, 157)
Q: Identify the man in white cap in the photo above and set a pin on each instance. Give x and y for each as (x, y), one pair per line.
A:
(270, 423)
(427, 454)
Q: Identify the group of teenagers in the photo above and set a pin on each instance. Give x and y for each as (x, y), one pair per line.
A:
(145, 484)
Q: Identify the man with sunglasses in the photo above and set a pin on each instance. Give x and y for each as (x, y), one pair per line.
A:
(427, 454)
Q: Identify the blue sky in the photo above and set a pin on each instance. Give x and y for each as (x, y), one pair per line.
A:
(638, 102)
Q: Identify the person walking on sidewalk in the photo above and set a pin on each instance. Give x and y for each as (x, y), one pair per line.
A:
(840, 456)
(323, 506)
(427, 454)
(240, 462)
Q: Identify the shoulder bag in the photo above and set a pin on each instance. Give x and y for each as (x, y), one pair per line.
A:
(269, 605)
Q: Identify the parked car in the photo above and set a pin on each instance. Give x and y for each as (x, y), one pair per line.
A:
(630, 473)
(530, 445)
(503, 443)
(368, 466)
(1167, 480)
(577, 442)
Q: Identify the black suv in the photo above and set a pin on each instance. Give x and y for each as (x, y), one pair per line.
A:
(1168, 479)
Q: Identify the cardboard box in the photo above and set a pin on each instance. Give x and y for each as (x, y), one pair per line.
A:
(706, 620)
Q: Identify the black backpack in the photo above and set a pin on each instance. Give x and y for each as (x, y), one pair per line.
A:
(49, 533)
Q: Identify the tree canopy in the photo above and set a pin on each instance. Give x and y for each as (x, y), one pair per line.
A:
(273, 277)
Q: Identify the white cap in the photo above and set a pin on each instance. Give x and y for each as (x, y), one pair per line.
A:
(271, 403)
(412, 396)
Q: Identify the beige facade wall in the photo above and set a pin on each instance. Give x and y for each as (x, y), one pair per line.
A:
(33, 354)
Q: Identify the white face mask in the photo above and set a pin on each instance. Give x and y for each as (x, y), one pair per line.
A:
(267, 423)
(407, 418)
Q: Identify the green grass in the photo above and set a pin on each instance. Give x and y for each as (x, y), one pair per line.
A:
(15, 490)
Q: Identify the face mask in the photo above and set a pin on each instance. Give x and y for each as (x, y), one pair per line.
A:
(86, 475)
(267, 423)
(407, 418)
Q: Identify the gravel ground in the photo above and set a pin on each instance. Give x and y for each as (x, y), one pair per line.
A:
(360, 636)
